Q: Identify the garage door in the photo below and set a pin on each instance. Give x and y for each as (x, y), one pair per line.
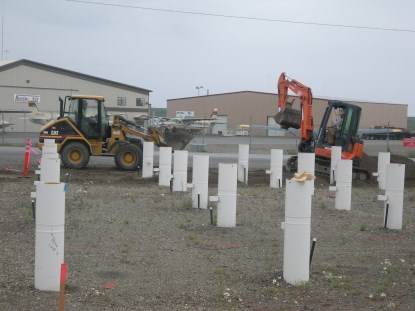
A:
(221, 125)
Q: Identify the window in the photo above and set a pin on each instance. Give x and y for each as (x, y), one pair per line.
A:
(73, 110)
(121, 101)
(139, 102)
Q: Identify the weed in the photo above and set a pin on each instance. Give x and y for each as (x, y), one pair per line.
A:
(187, 202)
(356, 291)
(383, 285)
(125, 249)
(215, 219)
(305, 285)
(221, 272)
(410, 154)
(338, 281)
(29, 209)
(194, 239)
(269, 265)
(211, 258)
(133, 198)
(362, 227)
(272, 290)
(323, 205)
(126, 222)
(181, 226)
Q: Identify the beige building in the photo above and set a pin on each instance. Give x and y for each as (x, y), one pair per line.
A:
(257, 108)
(24, 80)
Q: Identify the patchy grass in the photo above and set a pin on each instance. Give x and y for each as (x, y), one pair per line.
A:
(125, 249)
(323, 205)
(193, 238)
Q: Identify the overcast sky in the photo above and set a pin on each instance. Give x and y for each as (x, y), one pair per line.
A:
(173, 53)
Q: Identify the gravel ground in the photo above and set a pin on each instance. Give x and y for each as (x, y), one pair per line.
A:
(132, 245)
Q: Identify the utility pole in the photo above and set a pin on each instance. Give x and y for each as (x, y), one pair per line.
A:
(387, 138)
(198, 88)
(2, 30)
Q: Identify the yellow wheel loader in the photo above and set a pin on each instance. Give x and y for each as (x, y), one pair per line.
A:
(83, 129)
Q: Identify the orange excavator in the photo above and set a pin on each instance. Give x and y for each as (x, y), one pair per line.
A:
(338, 127)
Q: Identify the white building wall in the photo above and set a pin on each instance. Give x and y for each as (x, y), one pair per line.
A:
(50, 85)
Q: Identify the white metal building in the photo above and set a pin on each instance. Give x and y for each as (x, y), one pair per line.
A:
(24, 80)
(258, 108)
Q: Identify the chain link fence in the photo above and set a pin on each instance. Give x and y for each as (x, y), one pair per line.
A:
(15, 127)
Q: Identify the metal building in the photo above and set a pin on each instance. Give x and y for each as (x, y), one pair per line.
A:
(23, 80)
(258, 109)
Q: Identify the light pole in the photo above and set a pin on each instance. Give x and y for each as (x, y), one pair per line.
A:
(198, 89)
(387, 138)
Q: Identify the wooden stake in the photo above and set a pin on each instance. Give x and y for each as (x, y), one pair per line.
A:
(61, 302)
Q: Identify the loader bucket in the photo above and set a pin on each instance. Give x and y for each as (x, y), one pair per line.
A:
(288, 117)
(177, 138)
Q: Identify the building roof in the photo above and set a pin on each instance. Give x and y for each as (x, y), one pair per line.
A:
(221, 94)
(291, 95)
(6, 65)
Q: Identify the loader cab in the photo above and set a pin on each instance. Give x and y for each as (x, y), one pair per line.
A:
(339, 126)
(88, 113)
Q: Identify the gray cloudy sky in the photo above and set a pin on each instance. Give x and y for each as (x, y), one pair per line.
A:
(172, 53)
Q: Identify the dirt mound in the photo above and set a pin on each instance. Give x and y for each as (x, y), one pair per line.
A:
(371, 164)
(409, 168)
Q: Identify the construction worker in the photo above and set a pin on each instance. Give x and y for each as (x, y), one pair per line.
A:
(339, 120)
(84, 109)
(333, 130)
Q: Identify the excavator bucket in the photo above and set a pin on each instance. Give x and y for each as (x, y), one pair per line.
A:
(177, 138)
(288, 118)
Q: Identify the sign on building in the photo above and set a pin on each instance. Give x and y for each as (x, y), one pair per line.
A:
(185, 114)
(24, 98)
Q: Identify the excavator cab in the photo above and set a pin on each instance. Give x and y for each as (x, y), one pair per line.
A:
(339, 125)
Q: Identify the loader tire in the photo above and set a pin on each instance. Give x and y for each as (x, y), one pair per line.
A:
(128, 157)
(75, 155)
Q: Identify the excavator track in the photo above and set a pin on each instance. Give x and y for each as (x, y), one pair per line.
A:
(322, 167)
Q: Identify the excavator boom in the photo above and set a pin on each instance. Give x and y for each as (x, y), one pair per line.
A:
(301, 119)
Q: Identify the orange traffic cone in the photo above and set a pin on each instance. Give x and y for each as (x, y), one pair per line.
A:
(27, 157)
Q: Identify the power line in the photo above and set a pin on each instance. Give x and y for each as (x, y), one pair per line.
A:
(243, 17)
